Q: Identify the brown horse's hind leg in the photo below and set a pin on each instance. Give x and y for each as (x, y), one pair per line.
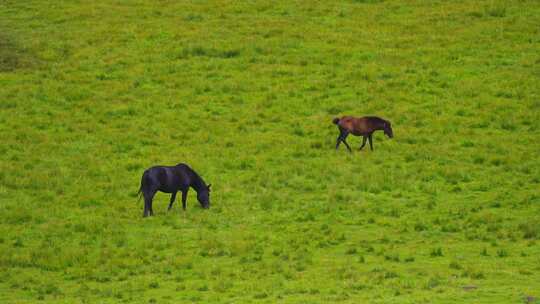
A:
(341, 138)
(338, 141)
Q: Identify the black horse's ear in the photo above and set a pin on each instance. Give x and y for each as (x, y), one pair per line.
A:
(208, 186)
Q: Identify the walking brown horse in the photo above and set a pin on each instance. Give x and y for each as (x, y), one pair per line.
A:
(361, 126)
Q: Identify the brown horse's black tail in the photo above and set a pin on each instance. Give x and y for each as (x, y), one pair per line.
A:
(335, 120)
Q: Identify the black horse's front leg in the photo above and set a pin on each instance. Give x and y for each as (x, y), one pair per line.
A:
(363, 142)
(184, 198)
(173, 197)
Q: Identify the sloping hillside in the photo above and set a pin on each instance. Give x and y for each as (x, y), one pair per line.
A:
(447, 211)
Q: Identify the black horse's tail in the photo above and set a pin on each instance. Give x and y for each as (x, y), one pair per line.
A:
(335, 120)
(140, 192)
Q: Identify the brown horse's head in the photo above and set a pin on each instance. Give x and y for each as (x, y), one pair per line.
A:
(388, 129)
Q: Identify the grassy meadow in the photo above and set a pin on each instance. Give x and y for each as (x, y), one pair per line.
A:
(94, 92)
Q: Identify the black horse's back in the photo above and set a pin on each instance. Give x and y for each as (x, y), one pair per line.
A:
(150, 176)
(163, 176)
(182, 167)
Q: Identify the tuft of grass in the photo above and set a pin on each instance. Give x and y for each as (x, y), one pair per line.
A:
(455, 265)
(200, 51)
(530, 230)
(436, 252)
(14, 56)
(433, 282)
(502, 253)
(497, 11)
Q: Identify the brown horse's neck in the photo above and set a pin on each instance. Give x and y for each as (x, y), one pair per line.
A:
(376, 123)
(380, 125)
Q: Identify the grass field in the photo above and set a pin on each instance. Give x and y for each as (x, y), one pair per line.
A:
(93, 93)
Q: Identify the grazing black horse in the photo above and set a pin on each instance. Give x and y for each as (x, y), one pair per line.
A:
(171, 179)
(362, 126)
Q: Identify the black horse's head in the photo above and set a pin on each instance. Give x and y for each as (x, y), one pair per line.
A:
(388, 129)
(203, 195)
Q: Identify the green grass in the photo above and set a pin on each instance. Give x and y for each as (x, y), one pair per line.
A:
(448, 211)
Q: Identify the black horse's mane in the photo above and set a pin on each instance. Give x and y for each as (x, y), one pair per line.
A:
(198, 182)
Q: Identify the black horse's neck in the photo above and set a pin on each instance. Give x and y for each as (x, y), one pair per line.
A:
(197, 182)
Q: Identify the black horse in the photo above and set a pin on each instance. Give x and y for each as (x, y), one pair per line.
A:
(171, 179)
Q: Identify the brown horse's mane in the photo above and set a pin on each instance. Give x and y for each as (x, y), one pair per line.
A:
(376, 119)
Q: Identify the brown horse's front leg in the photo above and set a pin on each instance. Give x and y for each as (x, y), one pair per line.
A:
(363, 142)
(346, 144)
(370, 142)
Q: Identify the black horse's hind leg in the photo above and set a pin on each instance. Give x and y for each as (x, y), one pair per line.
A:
(184, 198)
(173, 197)
(148, 197)
(146, 203)
(370, 142)
(363, 142)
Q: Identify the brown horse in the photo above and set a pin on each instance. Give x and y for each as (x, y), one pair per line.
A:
(363, 126)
